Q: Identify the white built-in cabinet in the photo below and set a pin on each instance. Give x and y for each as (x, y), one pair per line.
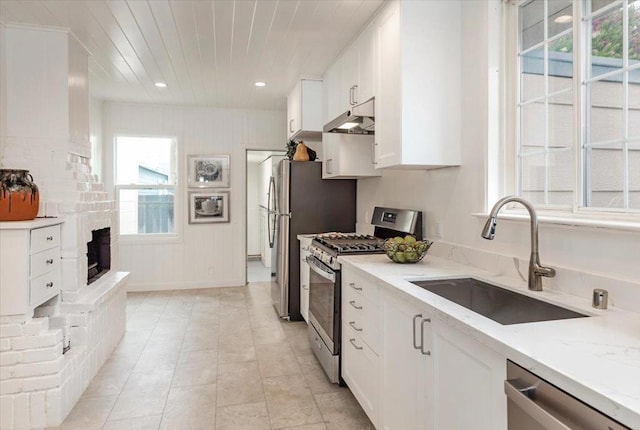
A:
(348, 82)
(407, 365)
(305, 242)
(30, 273)
(409, 369)
(304, 110)
(418, 83)
(361, 332)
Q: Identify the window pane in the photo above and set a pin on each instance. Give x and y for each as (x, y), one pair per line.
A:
(605, 177)
(532, 82)
(145, 160)
(533, 177)
(560, 64)
(532, 23)
(599, 4)
(605, 109)
(634, 106)
(532, 128)
(606, 42)
(560, 119)
(634, 32)
(561, 177)
(560, 14)
(634, 177)
(146, 211)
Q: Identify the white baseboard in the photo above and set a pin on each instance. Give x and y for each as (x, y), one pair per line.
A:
(164, 286)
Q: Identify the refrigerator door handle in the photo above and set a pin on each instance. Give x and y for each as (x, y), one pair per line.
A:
(271, 230)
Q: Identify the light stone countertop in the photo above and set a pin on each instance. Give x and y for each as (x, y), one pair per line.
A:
(596, 359)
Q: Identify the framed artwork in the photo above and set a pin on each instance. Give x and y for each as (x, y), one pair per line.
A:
(207, 207)
(208, 171)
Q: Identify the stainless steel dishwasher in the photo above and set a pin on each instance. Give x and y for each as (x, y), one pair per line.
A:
(534, 404)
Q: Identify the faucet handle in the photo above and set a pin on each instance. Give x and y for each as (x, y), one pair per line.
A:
(548, 272)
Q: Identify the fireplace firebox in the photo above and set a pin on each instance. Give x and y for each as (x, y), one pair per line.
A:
(98, 254)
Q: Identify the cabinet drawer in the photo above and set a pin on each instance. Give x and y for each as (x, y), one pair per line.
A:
(363, 316)
(360, 372)
(44, 287)
(360, 285)
(45, 238)
(44, 261)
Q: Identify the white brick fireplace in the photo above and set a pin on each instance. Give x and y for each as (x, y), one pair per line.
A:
(44, 113)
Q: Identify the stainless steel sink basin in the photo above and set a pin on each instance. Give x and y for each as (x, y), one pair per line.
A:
(503, 306)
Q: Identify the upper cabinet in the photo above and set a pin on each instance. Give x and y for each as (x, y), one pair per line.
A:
(417, 109)
(304, 110)
(348, 82)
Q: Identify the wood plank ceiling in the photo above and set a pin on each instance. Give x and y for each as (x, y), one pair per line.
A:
(208, 52)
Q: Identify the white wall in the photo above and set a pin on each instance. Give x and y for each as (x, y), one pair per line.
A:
(95, 135)
(253, 210)
(450, 196)
(204, 255)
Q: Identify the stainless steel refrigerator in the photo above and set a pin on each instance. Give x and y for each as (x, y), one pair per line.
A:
(301, 202)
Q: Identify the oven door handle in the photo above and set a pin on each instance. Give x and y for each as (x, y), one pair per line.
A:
(321, 269)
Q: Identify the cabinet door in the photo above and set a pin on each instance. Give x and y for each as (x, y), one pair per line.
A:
(294, 110)
(304, 285)
(331, 84)
(366, 63)
(470, 374)
(388, 88)
(406, 395)
(348, 78)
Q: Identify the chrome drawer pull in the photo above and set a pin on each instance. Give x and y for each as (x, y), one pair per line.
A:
(49, 237)
(353, 303)
(353, 325)
(353, 342)
(415, 344)
(426, 320)
(50, 261)
(49, 284)
(353, 285)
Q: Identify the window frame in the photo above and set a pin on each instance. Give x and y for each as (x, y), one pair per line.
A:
(577, 213)
(178, 204)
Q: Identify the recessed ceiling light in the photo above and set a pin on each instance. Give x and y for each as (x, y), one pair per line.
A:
(161, 85)
(563, 19)
(260, 84)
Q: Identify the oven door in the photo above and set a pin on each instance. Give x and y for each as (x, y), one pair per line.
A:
(324, 303)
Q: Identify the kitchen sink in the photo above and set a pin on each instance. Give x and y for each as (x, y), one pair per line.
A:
(503, 306)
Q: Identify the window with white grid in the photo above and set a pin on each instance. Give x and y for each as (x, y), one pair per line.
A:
(578, 104)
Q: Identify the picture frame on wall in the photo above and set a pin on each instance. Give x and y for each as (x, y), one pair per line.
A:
(208, 207)
(208, 171)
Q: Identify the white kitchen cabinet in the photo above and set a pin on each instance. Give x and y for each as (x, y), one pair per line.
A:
(361, 332)
(304, 110)
(418, 94)
(470, 374)
(407, 365)
(305, 242)
(348, 156)
(30, 272)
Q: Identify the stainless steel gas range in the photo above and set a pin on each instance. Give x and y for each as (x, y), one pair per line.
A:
(325, 279)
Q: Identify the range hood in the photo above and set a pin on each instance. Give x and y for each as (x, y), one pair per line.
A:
(358, 120)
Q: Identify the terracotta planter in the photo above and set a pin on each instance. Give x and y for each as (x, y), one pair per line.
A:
(19, 197)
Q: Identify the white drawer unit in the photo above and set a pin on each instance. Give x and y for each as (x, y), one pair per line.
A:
(360, 308)
(30, 262)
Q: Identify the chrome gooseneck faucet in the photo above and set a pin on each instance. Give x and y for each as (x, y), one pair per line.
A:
(536, 271)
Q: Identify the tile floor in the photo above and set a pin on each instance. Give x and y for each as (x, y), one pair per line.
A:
(256, 272)
(216, 359)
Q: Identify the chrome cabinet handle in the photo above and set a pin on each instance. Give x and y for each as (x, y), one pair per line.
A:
(49, 261)
(353, 325)
(415, 344)
(49, 284)
(425, 320)
(353, 303)
(291, 125)
(353, 285)
(329, 166)
(49, 238)
(373, 154)
(353, 342)
(351, 96)
(355, 95)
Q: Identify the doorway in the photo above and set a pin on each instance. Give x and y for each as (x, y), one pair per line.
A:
(261, 245)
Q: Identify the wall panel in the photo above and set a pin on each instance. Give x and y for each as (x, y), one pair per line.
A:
(203, 255)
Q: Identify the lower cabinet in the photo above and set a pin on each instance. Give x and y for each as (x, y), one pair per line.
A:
(407, 366)
(425, 374)
(468, 382)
